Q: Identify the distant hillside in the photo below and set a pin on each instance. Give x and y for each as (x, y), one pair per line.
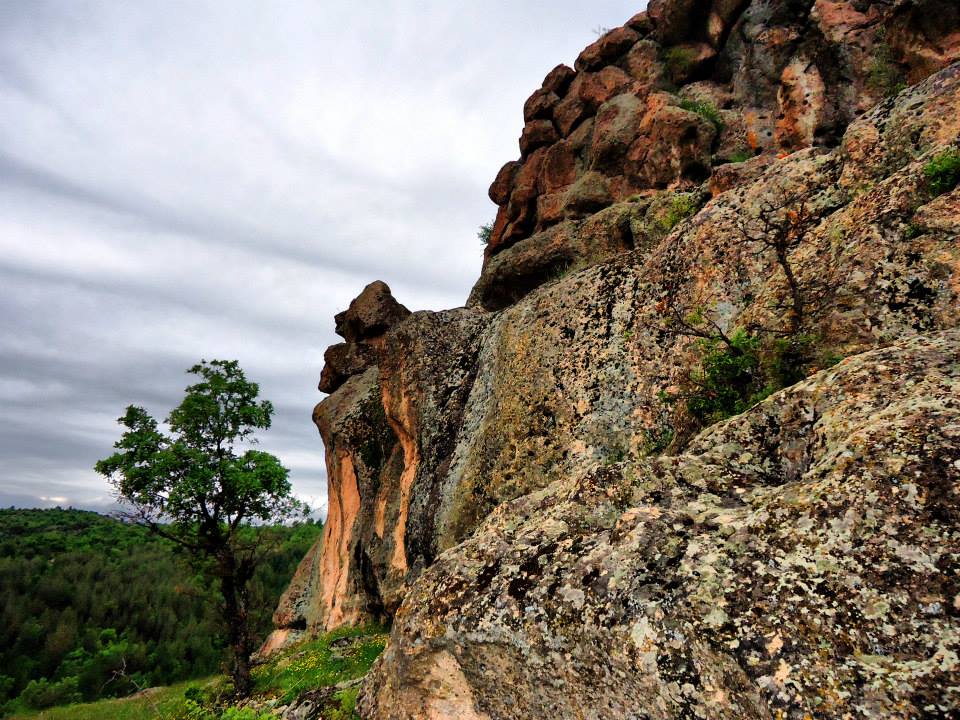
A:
(93, 607)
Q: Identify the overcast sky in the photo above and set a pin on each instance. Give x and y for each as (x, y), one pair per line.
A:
(182, 179)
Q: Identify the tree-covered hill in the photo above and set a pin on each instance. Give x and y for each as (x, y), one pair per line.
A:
(93, 607)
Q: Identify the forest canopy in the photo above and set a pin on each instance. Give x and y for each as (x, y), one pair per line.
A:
(93, 607)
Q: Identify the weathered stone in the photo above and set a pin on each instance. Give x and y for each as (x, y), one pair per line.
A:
(616, 127)
(802, 104)
(688, 61)
(597, 87)
(559, 167)
(536, 134)
(673, 146)
(590, 193)
(559, 79)
(570, 111)
(730, 175)
(608, 49)
(640, 23)
(503, 184)
(343, 361)
(370, 314)
(540, 105)
(672, 19)
(643, 64)
(751, 570)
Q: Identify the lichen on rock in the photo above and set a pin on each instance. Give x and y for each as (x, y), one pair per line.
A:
(517, 484)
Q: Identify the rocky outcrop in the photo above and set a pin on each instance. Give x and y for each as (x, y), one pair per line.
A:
(690, 88)
(797, 561)
(532, 457)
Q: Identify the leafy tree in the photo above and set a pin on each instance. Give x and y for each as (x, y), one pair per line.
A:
(196, 488)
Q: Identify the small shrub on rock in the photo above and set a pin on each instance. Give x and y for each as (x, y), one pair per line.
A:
(707, 110)
(484, 233)
(942, 173)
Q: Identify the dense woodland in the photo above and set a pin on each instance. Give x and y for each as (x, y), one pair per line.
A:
(92, 607)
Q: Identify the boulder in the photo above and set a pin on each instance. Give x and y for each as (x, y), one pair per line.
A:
(537, 134)
(341, 362)
(370, 314)
(559, 79)
(607, 50)
(501, 187)
(540, 105)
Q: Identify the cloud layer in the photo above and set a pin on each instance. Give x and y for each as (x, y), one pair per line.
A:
(183, 179)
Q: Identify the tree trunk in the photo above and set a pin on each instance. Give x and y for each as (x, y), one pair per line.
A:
(238, 633)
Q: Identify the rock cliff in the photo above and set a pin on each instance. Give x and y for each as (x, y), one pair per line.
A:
(713, 207)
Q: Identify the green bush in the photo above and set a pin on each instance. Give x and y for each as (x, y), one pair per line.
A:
(884, 76)
(733, 376)
(728, 378)
(41, 694)
(485, 232)
(678, 61)
(943, 171)
(707, 110)
(740, 156)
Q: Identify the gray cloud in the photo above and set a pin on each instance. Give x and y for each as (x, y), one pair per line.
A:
(185, 178)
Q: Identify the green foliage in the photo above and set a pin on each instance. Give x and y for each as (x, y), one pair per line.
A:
(485, 233)
(912, 230)
(884, 76)
(707, 110)
(76, 606)
(727, 378)
(678, 61)
(157, 703)
(942, 172)
(740, 156)
(42, 693)
(735, 374)
(657, 439)
(681, 207)
(344, 654)
(207, 487)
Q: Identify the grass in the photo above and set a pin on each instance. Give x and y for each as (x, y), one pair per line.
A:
(157, 703)
(340, 656)
(331, 661)
(707, 110)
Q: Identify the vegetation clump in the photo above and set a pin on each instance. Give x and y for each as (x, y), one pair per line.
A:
(942, 172)
(707, 110)
(485, 233)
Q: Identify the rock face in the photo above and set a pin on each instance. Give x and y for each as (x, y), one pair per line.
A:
(692, 86)
(518, 485)
(797, 561)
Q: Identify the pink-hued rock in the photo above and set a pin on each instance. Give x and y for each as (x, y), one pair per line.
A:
(608, 49)
(559, 79)
(537, 134)
(598, 87)
(540, 105)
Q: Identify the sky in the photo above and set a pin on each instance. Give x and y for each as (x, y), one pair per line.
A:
(187, 179)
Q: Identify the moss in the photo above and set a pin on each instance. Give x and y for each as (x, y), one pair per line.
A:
(680, 207)
(741, 155)
(942, 172)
